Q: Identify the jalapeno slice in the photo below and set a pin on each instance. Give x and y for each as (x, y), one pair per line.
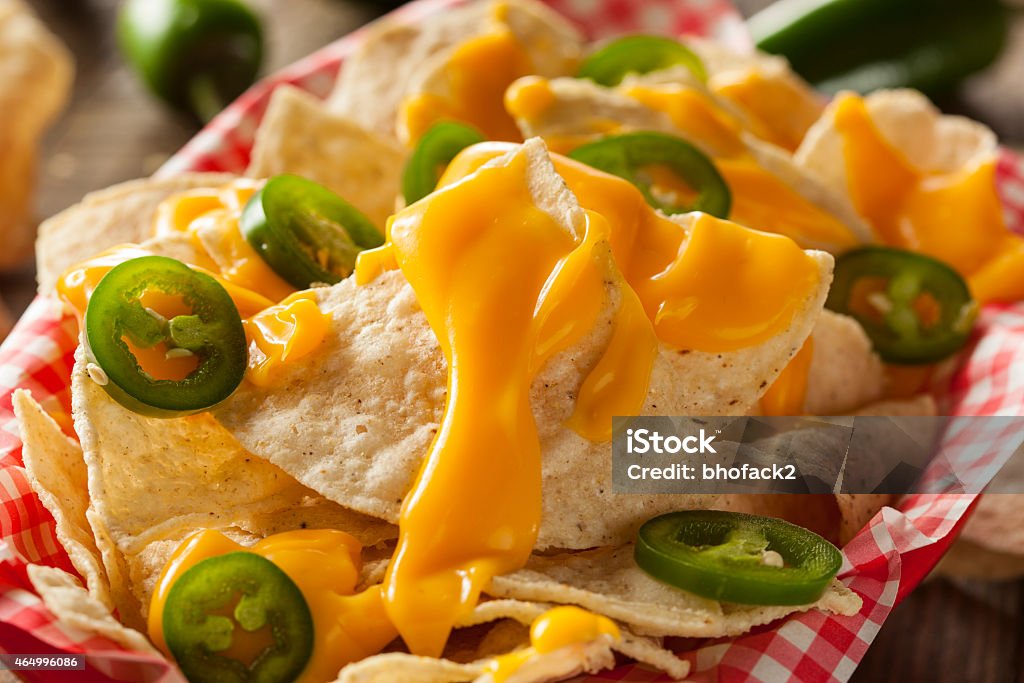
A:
(630, 156)
(238, 597)
(725, 556)
(433, 153)
(914, 308)
(638, 54)
(208, 336)
(305, 232)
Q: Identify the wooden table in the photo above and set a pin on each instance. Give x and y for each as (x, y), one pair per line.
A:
(113, 131)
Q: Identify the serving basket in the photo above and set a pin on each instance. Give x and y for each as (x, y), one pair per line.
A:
(883, 562)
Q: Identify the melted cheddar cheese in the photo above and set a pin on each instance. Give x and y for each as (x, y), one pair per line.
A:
(277, 334)
(760, 199)
(475, 78)
(504, 288)
(780, 107)
(283, 333)
(559, 627)
(955, 217)
(787, 395)
(325, 565)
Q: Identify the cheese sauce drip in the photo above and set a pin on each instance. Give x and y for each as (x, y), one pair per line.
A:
(325, 565)
(788, 393)
(557, 628)
(504, 287)
(955, 217)
(282, 334)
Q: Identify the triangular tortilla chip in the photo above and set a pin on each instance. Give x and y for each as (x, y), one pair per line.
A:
(609, 582)
(119, 214)
(388, 62)
(579, 111)
(299, 136)
(56, 471)
(152, 481)
(906, 119)
(73, 606)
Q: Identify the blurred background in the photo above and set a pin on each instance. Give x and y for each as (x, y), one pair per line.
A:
(113, 130)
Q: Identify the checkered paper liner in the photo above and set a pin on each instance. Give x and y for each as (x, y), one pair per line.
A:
(883, 563)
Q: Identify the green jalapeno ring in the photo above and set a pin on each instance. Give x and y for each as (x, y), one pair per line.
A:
(196, 629)
(305, 232)
(897, 333)
(213, 332)
(626, 155)
(435, 150)
(719, 555)
(638, 54)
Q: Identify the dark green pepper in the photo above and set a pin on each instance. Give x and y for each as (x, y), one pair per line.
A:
(627, 155)
(433, 152)
(726, 556)
(196, 55)
(866, 45)
(638, 54)
(887, 290)
(211, 333)
(221, 595)
(305, 232)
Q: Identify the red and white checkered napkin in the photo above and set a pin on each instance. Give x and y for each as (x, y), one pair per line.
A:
(884, 562)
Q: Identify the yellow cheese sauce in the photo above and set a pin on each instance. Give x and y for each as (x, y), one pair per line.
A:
(780, 108)
(955, 217)
(325, 565)
(505, 287)
(760, 200)
(277, 334)
(211, 217)
(557, 628)
(282, 334)
(713, 289)
(787, 395)
(696, 115)
(475, 76)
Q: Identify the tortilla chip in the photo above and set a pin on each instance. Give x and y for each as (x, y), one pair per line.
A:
(354, 420)
(73, 606)
(390, 58)
(119, 214)
(931, 141)
(398, 666)
(56, 471)
(845, 371)
(558, 665)
(153, 481)
(299, 136)
(645, 649)
(580, 111)
(725, 66)
(608, 581)
(36, 71)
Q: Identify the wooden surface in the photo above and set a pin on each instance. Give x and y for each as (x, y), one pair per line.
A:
(112, 132)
